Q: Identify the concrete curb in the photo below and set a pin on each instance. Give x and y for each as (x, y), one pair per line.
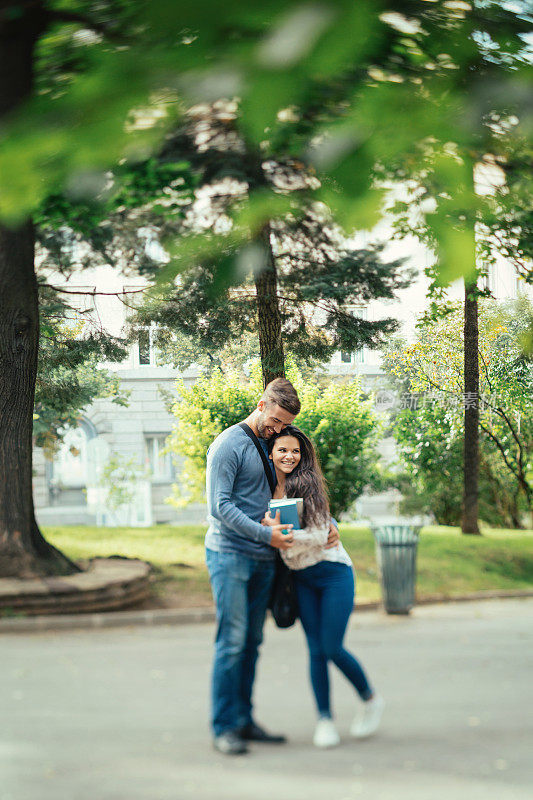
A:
(466, 598)
(184, 616)
(110, 619)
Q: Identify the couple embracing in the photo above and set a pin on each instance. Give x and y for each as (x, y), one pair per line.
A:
(241, 544)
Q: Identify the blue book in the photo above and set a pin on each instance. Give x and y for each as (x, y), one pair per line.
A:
(289, 510)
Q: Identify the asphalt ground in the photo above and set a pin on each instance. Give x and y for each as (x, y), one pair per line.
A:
(121, 714)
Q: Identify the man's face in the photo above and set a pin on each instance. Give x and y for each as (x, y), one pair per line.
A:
(272, 419)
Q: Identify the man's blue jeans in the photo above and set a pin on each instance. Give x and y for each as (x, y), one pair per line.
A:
(241, 590)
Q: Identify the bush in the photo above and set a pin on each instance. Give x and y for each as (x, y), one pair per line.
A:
(345, 431)
(335, 416)
(203, 411)
(430, 441)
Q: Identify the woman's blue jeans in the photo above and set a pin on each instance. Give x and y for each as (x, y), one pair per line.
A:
(325, 597)
(241, 590)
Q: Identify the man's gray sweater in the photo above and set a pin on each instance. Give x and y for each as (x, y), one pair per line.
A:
(237, 496)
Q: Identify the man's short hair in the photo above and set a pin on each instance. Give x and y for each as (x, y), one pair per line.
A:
(282, 392)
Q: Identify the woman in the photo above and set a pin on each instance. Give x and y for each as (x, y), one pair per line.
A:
(324, 582)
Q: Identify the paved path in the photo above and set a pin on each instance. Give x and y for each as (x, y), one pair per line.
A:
(121, 714)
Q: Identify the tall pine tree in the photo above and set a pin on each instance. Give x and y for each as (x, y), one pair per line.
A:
(297, 283)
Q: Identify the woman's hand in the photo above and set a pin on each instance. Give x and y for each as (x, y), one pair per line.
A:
(270, 521)
(333, 537)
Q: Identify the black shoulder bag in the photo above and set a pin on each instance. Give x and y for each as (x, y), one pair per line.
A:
(283, 603)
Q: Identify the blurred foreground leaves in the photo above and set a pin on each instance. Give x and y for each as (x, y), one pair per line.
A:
(378, 88)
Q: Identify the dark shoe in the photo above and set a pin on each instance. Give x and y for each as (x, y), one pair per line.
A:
(254, 733)
(230, 743)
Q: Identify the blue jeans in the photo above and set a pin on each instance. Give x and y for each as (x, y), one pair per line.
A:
(325, 597)
(241, 591)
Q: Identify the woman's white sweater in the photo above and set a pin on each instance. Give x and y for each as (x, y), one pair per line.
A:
(308, 549)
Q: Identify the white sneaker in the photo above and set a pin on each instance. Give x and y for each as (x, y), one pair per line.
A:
(367, 723)
(326, 734)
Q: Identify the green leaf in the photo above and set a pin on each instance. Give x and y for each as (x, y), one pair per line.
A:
(355, 213)
(455, 250)
(268, 93)
(356, 31)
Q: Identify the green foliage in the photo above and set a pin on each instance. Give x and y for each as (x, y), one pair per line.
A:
(342, 87)
(507, 224)
(203, 411)
(431, 449)
(195, 324)
(345, 432)
(69, 375)
(98, 220)
(429, 429)
(119, 476)
(430, 440)
(335, 416)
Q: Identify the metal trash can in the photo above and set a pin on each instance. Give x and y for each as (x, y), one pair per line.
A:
(396, 547)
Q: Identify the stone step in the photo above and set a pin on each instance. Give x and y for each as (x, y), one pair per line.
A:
(107, 584)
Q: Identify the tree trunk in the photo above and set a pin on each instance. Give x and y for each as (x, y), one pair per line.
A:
(469, 522)
(23, 550)
(269, 317)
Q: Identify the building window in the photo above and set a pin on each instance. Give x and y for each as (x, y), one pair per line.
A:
(158, 462)
(144, 351)
(146, 347)
(489, 278)
(353, 358)
(358, 357)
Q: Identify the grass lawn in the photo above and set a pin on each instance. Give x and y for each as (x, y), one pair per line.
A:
(448, 562)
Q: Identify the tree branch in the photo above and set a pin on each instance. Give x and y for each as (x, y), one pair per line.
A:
(520, 264)
(94, 293)
(518, 473)
(485, 368)
(502, 413)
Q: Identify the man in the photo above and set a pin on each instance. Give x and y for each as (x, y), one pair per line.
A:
(240, 559)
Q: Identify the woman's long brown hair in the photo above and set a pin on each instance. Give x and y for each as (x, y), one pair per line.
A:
(306, 480)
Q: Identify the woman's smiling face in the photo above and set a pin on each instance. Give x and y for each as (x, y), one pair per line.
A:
(286, 453)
